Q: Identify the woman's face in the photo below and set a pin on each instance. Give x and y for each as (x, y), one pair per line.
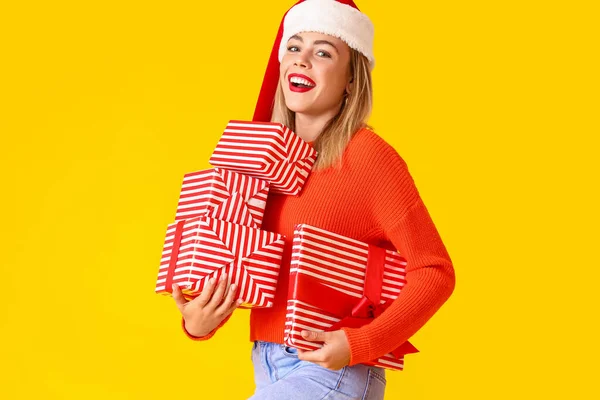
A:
(314, 73)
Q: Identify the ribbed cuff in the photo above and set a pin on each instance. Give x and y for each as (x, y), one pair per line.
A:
(199, 338)
(360, 346)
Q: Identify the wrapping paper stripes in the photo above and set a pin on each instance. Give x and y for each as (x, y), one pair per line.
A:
(213, 192)
(338, 265)
(266, 150)
(199, 248)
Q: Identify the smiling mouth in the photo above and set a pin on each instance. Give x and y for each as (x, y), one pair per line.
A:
(300, 83)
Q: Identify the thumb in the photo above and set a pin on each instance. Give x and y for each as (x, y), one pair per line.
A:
(314, 336)
(178, 296)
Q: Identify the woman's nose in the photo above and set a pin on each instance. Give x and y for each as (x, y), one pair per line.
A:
(301, 62)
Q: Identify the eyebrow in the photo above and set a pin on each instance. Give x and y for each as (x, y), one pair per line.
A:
(299, 38)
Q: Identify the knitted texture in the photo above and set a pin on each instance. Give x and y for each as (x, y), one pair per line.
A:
(333, 18)
(372, 198)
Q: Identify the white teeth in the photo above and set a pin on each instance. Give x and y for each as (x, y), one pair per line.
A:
(295, 79)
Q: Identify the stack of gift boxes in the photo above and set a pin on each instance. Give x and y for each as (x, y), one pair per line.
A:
(335, 281)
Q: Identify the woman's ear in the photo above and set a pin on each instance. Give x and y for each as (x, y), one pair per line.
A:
(350, 86)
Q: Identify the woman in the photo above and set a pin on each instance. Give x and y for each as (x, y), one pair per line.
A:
(318, 83)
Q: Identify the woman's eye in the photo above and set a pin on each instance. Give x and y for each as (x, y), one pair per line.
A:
(322, 53)
(293, 48)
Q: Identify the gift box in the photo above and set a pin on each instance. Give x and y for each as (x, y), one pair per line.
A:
(336, 282)
(201, 248)
(266, 150)
(214, 192)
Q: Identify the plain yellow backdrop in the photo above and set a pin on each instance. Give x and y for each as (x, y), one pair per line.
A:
(105, 105)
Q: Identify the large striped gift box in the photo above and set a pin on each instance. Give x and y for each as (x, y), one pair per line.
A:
(200, 248)
(336, 282)
(213, 192)
(266, 150)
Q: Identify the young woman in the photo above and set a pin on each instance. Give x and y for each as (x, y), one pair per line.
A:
(318, 83)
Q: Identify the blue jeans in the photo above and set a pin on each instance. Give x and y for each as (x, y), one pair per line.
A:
(280, 375)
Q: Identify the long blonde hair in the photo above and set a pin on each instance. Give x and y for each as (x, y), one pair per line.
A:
(338, 132)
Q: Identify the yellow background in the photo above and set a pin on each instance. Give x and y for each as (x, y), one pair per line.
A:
(105, 105)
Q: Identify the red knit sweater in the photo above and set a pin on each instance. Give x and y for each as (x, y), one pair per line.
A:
(372, 198)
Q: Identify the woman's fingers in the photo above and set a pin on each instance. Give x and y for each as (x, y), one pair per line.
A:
(217, 297)
(212, 296)
(178, 297)
(233, 306)
(206, 294)
(229, 304)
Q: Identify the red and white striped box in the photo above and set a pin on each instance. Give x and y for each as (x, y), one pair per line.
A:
(266, 150)
(200, 248)
(212, 192)
(336, 282)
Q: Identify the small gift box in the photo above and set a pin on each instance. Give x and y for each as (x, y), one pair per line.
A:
(266, 150)
(336, 282)
(214, 192)
(201, 248)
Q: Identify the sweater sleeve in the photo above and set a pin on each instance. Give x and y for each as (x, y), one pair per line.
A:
(209, 335)
(430, 280)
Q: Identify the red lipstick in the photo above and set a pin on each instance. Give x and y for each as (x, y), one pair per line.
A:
(301, 89)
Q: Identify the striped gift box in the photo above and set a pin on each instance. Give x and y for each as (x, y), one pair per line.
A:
(213, 192)
(200, 248)
(266, 150)
(335, 282)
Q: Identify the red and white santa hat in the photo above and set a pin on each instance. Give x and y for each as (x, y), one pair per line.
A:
(339, 18)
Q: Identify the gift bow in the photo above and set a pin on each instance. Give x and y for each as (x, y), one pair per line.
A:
(316, 293)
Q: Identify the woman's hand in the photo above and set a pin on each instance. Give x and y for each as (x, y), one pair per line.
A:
(335, 353)
(208, 310)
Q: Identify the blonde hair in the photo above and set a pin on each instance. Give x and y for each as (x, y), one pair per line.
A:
(338, 132)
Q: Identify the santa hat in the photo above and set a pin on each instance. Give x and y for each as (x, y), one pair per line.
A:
(339, 18)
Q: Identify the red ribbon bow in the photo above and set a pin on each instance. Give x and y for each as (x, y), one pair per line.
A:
(353, 314)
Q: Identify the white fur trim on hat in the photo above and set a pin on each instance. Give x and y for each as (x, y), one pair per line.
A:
(331, 18)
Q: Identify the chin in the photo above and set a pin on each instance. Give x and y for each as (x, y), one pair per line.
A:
(298, 103)
(299, 110)
(298, 106)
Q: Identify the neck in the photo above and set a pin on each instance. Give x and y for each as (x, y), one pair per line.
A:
(309, 127)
